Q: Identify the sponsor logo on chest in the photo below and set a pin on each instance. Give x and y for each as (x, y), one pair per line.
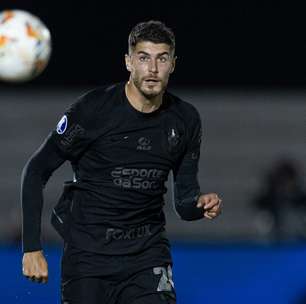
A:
(144, 144)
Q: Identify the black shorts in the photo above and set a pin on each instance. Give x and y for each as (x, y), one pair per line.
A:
(91, 278)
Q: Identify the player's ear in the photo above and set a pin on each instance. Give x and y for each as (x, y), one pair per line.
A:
(128, 62)
(173, 64)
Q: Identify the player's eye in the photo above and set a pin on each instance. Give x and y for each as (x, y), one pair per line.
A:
(143, 58)
(163, 59)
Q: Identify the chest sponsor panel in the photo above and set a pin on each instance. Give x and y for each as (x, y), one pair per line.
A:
(139, 178)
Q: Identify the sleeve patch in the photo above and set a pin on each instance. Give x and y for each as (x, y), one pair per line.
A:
(62, 125)
(72, 133)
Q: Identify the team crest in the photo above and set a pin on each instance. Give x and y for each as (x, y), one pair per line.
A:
(62, 125)
(173, 137)
(174, 140)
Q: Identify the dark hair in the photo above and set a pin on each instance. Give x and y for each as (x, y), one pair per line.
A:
(153, 31)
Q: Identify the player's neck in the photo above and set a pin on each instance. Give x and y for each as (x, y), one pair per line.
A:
(139, 101)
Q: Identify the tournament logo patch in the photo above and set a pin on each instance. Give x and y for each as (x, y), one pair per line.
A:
(62, 125)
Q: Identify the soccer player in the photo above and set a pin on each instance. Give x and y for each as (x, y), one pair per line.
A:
(122, 141)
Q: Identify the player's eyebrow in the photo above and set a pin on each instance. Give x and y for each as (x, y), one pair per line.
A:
(158, 55)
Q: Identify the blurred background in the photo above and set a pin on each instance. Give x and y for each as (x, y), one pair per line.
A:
(243, 66)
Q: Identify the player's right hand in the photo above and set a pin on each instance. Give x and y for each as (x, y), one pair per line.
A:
(35, 267)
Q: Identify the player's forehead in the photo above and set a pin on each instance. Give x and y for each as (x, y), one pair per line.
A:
(151, 48)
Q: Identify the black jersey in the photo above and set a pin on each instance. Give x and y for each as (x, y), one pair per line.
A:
(121, 159)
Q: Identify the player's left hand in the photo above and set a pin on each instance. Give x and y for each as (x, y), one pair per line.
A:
(211, 203)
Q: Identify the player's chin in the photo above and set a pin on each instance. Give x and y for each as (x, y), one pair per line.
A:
(151, 92)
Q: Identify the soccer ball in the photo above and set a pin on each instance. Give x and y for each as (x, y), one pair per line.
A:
(25, 46)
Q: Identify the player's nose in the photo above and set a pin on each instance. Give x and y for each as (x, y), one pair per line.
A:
(153, 67)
